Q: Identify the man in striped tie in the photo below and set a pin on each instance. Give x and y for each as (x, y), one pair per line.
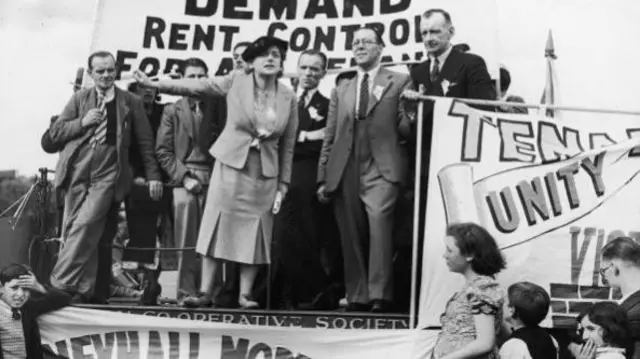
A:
(95, 129)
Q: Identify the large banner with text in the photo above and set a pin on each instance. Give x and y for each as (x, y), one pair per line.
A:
(552, 193)
(158, 35)
(87, 333)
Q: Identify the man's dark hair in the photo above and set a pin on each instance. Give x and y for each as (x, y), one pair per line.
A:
(99, 54)
(530, 302)
(13, 271)
(243, 43)
(313, 52)
(624, 249)
(447, 17)
(194, 62)
(476, 242)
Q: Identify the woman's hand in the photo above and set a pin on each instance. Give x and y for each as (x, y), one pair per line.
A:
(277, 203)
(587, 350)
(142, 78)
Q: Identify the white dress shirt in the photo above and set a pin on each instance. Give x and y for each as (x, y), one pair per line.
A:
(372, 76)
(441, 59)
(310, 93)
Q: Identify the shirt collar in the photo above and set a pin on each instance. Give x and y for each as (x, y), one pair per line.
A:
(109, 94)
(192, 102)
(443, 57)
(310, 93)
(372, 73)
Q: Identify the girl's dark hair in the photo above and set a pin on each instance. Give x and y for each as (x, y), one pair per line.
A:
(474, 241)
(613, 320)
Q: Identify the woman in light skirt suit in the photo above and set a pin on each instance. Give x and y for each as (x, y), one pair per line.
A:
(253, 156)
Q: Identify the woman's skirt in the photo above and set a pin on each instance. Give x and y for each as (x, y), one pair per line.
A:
(237, 223)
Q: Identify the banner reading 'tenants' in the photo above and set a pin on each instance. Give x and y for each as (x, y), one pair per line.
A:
(552, 193)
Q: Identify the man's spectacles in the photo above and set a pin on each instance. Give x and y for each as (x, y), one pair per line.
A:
(604, 269)
(365, 42)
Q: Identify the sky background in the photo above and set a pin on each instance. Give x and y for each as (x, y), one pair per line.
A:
(43, 42)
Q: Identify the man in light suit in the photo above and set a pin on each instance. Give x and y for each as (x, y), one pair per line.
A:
(93, 169)
(620, 267)
(186, 159)
(362, 166)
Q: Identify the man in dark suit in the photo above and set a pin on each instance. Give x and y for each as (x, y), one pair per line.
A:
(183, 152)
(93, 169)
(447, 72)
(362, 167)
(302, 220)
(22, 300)
(620, 268)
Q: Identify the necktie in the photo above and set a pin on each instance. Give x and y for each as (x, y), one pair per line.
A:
(302, 103)
(435, 71)
(100, 134)
(15, 314)
(364, 97)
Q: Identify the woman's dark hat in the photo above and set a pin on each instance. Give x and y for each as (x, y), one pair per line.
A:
(261, 45)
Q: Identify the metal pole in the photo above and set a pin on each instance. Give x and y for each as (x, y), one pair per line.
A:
(416, 216)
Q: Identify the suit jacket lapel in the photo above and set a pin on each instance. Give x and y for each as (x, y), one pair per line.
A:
(185, 116)
(383, 81)
(448, 68)
(304, 119)
(350, 96)
(283, 106)
(122, 111)
(245, 84)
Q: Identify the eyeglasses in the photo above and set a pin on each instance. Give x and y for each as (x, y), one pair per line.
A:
(364, 42)
(604, 269)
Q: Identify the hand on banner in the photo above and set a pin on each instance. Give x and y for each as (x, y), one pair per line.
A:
(323, 197)
(92, 118)
(277, 203)
(155, 190)
(413, 95)
(302, 136)
(192, 185)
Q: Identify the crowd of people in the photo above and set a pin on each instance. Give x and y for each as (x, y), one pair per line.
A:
(281, 195)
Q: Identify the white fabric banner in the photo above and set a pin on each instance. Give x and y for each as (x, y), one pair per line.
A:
(552, 193)
(156, 35)
(86, 333)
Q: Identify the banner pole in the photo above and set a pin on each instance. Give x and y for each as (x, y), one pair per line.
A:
(536, 106)
(416, 216)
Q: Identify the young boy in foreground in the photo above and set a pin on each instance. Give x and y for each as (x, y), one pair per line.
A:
(22, 300)
(526, 306)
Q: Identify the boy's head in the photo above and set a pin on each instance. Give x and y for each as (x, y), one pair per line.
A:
(12, 292)
(527, 304)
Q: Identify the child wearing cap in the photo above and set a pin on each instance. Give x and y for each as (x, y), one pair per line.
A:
(526, 306)
(22, 300)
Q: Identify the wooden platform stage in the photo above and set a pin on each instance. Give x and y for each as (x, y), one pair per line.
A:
(300, 319)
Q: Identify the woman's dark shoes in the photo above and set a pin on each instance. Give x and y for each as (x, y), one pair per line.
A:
(358, 307)
(380, 306)
(245, 302)
(197, 301)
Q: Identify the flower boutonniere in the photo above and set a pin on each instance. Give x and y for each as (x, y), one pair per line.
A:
(377, 92)
(313, 113)
(446, 85)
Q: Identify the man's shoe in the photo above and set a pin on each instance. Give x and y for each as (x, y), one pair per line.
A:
(380, 306)
(358, 307)
(198, 301)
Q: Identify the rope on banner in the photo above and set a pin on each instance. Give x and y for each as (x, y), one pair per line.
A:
(530, 105)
